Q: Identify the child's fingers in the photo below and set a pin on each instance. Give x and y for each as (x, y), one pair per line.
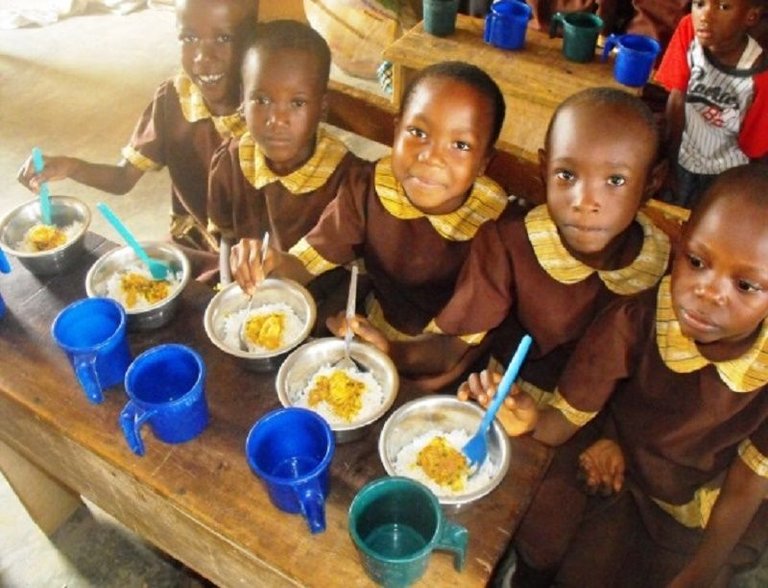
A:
(336, 324)
(370, 334)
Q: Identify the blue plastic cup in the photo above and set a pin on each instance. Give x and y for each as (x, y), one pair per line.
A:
(92, 332)
(166, 389)
(635, 56)
(506, 24)
(291, 449)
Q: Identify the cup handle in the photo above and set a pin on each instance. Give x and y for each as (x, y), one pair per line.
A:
(488, 30)
(555, 22)
(131, 420)
(610, 42)
(454, 537)
(313, 508)
(85, 371)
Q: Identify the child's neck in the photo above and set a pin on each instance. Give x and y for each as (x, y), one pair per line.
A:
(730, 54)
(727, 350)
(625, 246)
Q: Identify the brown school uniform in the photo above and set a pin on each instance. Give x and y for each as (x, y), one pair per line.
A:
(412, 258)
(245, 198)
(680, 422)
(519, 271)
(178, 131)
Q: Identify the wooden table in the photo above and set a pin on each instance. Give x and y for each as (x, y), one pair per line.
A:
(199, 501)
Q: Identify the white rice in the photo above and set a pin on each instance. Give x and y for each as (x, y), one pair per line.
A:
(405, 463)
(70, 232)
(372, 398)
(115, 287)
(233, 323)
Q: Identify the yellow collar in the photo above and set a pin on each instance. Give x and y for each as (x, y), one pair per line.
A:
(680, 354)
(644, 272)
(486, 201)
(329, 151)
(193, 108)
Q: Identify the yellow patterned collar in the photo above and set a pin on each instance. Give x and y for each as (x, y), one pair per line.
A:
(329, 151)
(486, 202)
(680, 354)
(644, 272)
(194, 108)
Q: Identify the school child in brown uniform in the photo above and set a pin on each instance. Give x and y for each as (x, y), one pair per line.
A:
(280, 175)
(411, 216)
(685, 367)
(181, 128)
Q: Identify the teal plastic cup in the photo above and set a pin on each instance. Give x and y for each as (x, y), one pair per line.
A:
(396, 523)
(440, 16)
(580, 32)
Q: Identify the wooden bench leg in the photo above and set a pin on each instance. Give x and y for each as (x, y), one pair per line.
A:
(48, 502)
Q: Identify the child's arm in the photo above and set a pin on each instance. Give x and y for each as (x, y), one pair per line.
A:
(675, 118)
(740, 497)
(115, 179)
(245, 262)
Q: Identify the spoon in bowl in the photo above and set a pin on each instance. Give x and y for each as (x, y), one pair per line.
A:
(45, 195)
(476, 449)
(244, 324)
(347, 362)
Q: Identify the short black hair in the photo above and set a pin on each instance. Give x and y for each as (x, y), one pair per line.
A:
(467, 74)
(749, 181)
(630, 103)
(276, 35)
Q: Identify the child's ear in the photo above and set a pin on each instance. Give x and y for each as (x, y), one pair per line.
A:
(489, 155)
(325, 106)
(753, 15)
(543, 166)
(656, 178)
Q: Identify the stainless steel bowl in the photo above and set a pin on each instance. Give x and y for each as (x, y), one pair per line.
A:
(232, 299)
(302, 364)
(65, 211)
(446, 414)
(118, 259)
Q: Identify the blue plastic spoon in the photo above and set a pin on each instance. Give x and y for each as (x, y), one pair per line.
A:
(157, 267)
(45, 195)
(476, 449)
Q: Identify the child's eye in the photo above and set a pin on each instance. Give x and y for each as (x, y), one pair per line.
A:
(462, 146)
(416, 132)
(564, 175)
(261, 100)
(298, 102)
(746, 286)
(617, 180)
(695, 261)
(188, 38)
(723, 6)
(224, 38)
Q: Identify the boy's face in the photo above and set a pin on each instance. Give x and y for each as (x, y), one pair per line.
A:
(285, 98)
(207, 30)
(597, 169)
(441, 144)
(721, 25)
(720, 272)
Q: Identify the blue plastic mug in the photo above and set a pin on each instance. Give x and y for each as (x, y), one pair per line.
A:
(92, 332)
(506, 24)
(5, 268)
(291, 449)
(396, 523)
(166, 389)
(635, 56)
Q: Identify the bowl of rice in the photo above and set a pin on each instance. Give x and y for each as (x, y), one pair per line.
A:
(46, 249)
(349, 398)
(423, 438)
(121, 275)
(263, 330)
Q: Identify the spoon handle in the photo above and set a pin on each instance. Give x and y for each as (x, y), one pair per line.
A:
(45, 196)
(123, 230)
(506, 382)
(350, 307)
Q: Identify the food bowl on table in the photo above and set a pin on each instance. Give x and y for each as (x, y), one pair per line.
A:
(227, 310)
(416, 423)
(302, 371)
(121, 275)
(22, 233)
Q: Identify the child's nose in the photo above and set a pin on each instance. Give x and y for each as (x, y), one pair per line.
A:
(429, 153)
(710, 291)
(584, 200)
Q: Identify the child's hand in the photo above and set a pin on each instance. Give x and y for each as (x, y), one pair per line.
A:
(55, 168)
(245, 262)
(518, 415)
(361, 327)
(601, 467)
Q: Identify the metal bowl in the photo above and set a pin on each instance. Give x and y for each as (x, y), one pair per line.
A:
(118, 259)
(232, 299)
(65, 211)
(446, 414)
(297, 370)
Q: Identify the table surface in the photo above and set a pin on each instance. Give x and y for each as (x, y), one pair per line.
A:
(199, 501)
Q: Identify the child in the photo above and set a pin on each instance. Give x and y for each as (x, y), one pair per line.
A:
(684, 368)
(410, 216)
(717, 109)
(280, 175)
(186, 121)
(549, 271)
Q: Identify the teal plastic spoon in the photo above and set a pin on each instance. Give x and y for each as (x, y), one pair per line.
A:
(476, 449)
(45, 195)
(157, 267)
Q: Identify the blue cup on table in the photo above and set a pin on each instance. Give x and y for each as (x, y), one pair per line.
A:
(5, 268)
(506, 24)
(635, 56)
(92, 332)
(166, 390)
(291, 450)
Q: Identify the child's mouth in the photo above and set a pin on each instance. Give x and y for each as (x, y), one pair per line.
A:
(210, 79)
(695, 321)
